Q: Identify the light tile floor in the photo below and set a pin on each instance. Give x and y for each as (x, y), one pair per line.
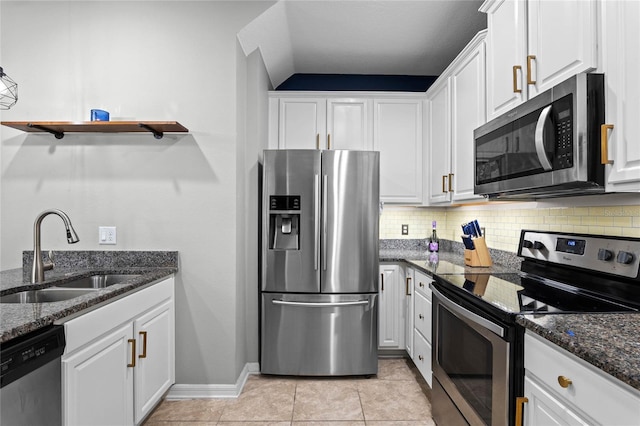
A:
(398, 395)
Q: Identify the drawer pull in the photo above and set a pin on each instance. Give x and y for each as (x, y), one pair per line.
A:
(382, 281)
(408, 291)
(420, 357)
(421, 316)
(421, 284)
(564, 381)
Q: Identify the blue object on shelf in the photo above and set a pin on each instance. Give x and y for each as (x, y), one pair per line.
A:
(99, 115)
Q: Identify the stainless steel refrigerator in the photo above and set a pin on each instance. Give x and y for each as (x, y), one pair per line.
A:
(319, 281)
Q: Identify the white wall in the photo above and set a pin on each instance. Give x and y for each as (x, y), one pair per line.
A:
(172, 60)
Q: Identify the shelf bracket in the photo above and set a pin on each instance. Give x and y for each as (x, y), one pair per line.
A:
(57, 134)
(156, 134)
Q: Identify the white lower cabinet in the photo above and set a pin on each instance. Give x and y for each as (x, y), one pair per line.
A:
(119, 359)
(422, 310)
(562, 389)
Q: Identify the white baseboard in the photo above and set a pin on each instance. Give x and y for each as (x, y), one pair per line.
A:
(203, 391)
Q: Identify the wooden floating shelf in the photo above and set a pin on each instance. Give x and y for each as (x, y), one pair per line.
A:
(59, 128)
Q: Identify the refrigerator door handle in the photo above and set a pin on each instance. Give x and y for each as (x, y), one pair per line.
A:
(316, 222)
(324, 221)
(320, 304)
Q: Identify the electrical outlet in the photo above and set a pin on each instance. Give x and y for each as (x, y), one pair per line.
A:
(405, 229)
(106, 235)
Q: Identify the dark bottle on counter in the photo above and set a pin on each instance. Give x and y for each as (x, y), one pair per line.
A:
(433, 240)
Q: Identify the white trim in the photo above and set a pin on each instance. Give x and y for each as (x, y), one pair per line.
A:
(205, 391)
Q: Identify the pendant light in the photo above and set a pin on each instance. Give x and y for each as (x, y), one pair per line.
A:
(8, 91)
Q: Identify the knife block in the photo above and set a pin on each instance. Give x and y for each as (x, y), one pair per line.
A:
(478, 256)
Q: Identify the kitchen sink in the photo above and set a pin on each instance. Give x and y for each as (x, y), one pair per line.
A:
(98, 281)
(45, 295)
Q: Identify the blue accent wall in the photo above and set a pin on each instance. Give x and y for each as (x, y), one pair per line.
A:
(358, 82)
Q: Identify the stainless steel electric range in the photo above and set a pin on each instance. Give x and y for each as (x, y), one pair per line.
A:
(478, 352)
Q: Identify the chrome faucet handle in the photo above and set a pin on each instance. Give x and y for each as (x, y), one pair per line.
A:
(49, 264)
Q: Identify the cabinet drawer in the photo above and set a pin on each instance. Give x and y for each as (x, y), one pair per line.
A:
(422, 284)
(422, 355)
(598, 395)
(422, 316)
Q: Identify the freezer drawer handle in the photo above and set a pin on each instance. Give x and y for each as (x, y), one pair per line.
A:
(321, 304)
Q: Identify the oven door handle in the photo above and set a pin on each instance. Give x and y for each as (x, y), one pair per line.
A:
(459, 310)
(541, 126)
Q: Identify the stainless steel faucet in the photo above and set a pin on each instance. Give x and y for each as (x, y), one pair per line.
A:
(39, 266)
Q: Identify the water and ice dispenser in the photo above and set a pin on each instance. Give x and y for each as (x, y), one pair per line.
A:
(284, 222)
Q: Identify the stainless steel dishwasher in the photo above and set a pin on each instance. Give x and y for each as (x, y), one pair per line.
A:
(31, 391)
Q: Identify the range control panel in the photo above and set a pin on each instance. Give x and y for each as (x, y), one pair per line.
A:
(612, 255)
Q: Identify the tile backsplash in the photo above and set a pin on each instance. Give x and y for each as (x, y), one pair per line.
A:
(503, 222)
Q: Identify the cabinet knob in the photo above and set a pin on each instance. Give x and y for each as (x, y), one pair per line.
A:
(564, 381)
(421, 316)
(421, 284)
(420, 357)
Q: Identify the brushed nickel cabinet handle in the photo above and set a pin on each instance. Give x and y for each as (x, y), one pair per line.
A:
(516, 68)
(318, 141)
(329, 141)
(604, 143)
(133, 352)
(408, 292)
(143, 334)
(563, 381)
(520, 401)
(529, 59)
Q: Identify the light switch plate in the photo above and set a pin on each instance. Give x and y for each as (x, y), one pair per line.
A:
(106, 235)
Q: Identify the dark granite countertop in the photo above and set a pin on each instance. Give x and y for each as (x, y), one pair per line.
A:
(609, 342)
(17, 319)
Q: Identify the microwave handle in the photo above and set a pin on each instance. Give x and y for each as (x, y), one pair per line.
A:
(543, 121)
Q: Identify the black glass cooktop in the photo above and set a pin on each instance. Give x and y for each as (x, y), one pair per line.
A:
(516, 293)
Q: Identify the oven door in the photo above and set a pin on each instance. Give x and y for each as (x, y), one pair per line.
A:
(471, 364)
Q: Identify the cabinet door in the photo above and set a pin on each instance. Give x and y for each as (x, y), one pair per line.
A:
(439, 142)
(349, 124)
(543, 409)
(622, 62)
(468, 112)
(506, 49)
(409, 279)
(398, 137)
(97, 382)
(391, 327)
(155, 366)
(562, 35)
(302, 123)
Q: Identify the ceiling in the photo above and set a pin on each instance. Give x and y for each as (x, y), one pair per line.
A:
(397, 37)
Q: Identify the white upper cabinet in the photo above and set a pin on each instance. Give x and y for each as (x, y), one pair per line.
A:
(349, 124)
(389, 122)
(532, 45)
(314, 122)
(456, 107)
(621, 57)
(398, 137)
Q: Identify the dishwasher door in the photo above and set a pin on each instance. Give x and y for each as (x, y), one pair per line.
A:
(319, 335)
(31, 391)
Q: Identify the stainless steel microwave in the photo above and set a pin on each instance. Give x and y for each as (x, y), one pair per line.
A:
(548, 146)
